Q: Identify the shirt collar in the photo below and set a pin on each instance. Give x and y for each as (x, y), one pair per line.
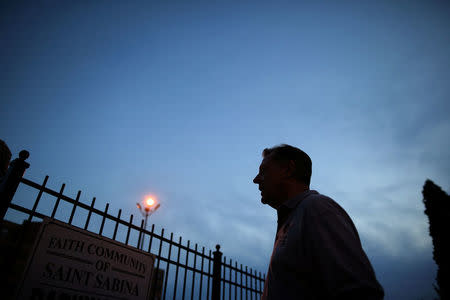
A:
(294, 201)
(285, 209)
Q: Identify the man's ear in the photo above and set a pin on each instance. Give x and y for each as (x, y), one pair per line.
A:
(290, 169)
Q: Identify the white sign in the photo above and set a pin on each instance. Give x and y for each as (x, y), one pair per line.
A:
(70, 263)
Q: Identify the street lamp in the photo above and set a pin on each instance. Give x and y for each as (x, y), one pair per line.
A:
(147, 207)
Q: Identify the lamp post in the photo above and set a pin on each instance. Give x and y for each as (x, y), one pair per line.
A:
(147, 207)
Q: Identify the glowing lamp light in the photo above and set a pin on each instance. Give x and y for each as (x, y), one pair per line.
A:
(148, 207)
(150, 202)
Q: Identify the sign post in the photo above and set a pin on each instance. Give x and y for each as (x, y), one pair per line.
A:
(71, 263)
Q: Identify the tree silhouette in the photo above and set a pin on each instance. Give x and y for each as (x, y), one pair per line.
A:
(437, 208)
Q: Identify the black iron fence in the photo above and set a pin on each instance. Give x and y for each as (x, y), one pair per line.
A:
(182, 270)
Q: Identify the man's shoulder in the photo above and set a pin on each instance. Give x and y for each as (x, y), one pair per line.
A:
(316, 199)
(317, 204)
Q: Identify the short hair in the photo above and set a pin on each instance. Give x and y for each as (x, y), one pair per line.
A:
(5, 157)
(302, 161)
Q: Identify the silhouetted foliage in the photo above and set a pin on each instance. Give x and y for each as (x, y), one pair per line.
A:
(437, 208)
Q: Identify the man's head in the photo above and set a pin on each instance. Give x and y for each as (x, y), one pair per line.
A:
(284, 172)
(5, 157)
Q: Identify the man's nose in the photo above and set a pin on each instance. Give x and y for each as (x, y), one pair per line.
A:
(256, 179)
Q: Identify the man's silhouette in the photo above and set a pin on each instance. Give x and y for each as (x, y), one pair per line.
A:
(317, 252)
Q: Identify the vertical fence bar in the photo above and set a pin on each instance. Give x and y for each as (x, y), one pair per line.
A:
(155, 279)
(216, 273)
(10, 182)
(140, 236)
(229, 277)
(74, 207)
(193, 272)
(128, 231)
(58, 200)
(201, 274)
(264, 276)
(185, 269)
(256, 284)
(103, 219)
(242, 283)
(117, 225)
(209, 275)
(139, 246)
(223, 276)
(246, 283)
(260, 283)
(89, 214)
(38, 198)
(151, 239)
(251, 284)
(176, 271)
(168, 265)
(235, 279)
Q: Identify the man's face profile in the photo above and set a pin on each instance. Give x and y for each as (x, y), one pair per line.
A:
(269, 181)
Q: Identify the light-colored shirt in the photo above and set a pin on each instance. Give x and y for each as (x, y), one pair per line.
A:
(318, 254)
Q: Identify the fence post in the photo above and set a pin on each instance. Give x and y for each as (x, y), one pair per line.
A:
(10, 182)
(217, 266)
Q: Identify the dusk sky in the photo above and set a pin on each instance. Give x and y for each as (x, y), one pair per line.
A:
(177, 99)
